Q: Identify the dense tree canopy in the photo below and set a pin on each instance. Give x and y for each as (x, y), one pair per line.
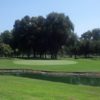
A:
(90, 42)
(47, 37)
(41, 36)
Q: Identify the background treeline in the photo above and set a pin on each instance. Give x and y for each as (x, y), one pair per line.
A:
(40, 37)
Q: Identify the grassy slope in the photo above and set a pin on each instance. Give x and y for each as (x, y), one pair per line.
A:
(17, 88)
(81, 65)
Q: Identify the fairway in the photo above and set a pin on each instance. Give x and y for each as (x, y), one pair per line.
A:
(68, 65)
(44, 62)
(17, 88)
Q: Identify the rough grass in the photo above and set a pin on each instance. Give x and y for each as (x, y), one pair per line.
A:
(17, 88)
(69, 65)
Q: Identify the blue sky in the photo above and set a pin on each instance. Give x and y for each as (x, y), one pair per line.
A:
(85, 14)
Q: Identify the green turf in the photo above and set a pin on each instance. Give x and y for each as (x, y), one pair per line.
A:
(78, 65)
(17, 88)
(44, 62)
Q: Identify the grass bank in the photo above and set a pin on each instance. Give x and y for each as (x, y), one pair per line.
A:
(17, 88)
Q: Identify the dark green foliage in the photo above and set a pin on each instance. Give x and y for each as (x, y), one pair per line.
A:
(41, 37)
(90, 43)
(5, 50)
(6, 37)
(59, 27)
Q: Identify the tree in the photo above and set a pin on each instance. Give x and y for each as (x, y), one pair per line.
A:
(41, 36)
(86, 36)
(90, 42)
(96, 34)
(85, 48)
(0, 39)
(59, 27)
(6, 37)
(72, 45)
(5, 50)
(85, 42)
(21, 33)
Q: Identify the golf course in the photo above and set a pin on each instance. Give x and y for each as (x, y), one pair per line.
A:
(14, 87)
(50, 50)
(67, 65)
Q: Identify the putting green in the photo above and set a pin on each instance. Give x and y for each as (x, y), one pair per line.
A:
(44, 62)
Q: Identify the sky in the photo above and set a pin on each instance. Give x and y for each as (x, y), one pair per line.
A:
(85, 14)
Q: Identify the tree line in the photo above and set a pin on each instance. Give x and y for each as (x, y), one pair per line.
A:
(42, 37)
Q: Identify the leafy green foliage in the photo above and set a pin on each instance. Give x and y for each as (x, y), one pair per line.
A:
(5, 50)
(39, 35)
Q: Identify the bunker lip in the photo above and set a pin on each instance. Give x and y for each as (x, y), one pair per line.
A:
(50, 73)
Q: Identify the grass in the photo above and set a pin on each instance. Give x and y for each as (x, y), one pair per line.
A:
(17, 88)
(69, 65)
(45, 88)
(44, 62)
